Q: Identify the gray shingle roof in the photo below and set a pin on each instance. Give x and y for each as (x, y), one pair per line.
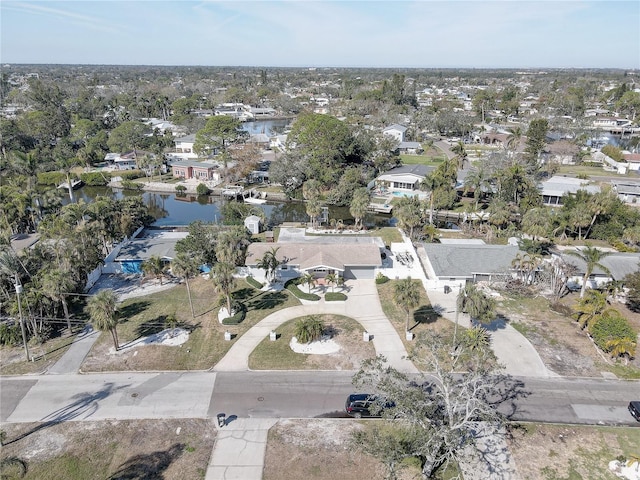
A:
(619, 264)
(309, 255)
(467, 260)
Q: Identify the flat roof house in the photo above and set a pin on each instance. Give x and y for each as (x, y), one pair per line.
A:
(404, 178)
(188, 169)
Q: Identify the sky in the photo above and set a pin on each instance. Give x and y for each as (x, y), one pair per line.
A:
(327, 33)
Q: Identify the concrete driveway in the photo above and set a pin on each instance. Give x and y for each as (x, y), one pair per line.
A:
(362, 305)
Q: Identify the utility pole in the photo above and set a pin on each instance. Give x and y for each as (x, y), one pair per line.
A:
(18, 287)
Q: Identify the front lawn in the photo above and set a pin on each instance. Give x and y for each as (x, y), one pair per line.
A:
(143, 316)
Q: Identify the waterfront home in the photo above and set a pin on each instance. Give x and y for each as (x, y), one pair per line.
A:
(184, 148)
(403, 179)
(187, 169)
(396, 131)
(553, 189)
(346, 260)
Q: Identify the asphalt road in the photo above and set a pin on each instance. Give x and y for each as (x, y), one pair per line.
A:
(57, 398)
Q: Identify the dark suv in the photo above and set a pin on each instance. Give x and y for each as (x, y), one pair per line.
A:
(634, 409)
(360, 405)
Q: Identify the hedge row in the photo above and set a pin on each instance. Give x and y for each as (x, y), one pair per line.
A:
(292, 286)
(254, 283)
(611, 326)
(335, 297)
(51, 178)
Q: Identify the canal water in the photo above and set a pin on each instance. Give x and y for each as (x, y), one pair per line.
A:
(171, 210)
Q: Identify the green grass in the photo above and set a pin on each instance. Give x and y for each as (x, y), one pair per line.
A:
(431, 160)
(42, 355)
(277, 355)
(388, 234)
(627, 372)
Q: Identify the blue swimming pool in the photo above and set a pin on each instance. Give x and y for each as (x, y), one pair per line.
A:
(404, 194)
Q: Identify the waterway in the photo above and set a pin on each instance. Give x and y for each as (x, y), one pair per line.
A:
(170, 210)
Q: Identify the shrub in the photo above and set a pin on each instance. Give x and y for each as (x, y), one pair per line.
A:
(254, 283)
(611, 326)
(202, 189)
(292, 286)
(239, 313)
(51, 178)
(9, 334)
(335, 297)
(180, 189)
(131, 174)
(130, 185)
(96, 179)
(380, 278)
(308, 329)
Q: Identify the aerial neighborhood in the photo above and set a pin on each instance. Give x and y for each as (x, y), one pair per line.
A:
(425, 244)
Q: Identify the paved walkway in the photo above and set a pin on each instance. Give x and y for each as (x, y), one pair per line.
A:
(74, 356)
(239, 450)
(362, 304)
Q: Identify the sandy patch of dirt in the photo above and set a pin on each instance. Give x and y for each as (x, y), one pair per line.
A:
(554, 451)
(562, 345)
(317, 449)
(168, 449)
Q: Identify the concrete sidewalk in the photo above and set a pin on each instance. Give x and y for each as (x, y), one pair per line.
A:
(72, 359)
(239, 450)
(362, 304)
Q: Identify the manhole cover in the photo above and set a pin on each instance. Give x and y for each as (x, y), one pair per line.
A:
(261, 399)
(134, 395)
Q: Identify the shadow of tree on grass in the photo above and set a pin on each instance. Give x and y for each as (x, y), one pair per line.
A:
(132, 309)
(148, 466)
(267, 301)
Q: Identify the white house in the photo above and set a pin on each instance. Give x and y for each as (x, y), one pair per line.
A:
(396, 131)
(403, 179)
(184, 147)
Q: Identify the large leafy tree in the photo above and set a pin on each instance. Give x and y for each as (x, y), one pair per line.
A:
(325, 143)
(200, 243)
(218, 133)
(103, 314)
(536, 140)
(130, 135)
(440, 417)
(406, 294)
(154, 266)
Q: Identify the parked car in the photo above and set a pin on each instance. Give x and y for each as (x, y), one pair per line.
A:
(634, 409)
(360, 405)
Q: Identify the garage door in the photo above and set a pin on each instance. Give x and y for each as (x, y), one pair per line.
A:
(359, 273)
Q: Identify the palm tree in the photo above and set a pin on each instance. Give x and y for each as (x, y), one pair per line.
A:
(103, 314)
(474, 302)
(622, 347)
(56, 284)
(460, 152)
(514, 137)
(592, 256)
(309, 280)
(269, 263)
(406, 294)
(331, 279)
(590, 308)
(308, 329)
(477, 338)
(155, 267)
(185, 267)
(12, 467)
(224, 281)
(359, 205)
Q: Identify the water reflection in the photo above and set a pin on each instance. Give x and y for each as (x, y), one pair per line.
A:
(170, 209)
